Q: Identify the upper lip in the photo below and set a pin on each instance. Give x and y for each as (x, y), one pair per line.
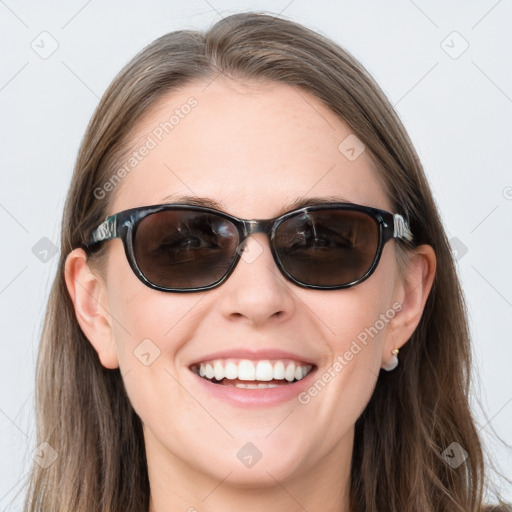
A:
(253, 355)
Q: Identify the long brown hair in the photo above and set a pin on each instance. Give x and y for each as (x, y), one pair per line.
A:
(415, 413)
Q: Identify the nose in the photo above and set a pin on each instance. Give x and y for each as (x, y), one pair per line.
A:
(257, 292)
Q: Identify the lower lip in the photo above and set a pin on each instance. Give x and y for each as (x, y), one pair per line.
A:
(243, 397)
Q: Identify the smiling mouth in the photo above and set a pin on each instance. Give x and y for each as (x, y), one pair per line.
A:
(248, 374)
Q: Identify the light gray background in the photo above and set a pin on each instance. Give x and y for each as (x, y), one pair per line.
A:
(456, 107)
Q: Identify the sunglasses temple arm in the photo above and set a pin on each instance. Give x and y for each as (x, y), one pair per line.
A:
(401, 229)
(105, 231)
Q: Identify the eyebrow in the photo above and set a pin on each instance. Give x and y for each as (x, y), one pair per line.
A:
(299, 202)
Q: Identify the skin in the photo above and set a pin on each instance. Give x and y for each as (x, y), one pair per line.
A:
(254, 148)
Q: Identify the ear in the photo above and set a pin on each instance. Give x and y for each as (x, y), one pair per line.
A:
(88, 294)
(411, 293)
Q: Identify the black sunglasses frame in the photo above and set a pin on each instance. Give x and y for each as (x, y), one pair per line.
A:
(124, 225)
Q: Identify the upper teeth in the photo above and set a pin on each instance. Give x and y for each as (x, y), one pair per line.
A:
(245, 369)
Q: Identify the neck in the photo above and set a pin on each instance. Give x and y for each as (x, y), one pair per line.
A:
(175, 485)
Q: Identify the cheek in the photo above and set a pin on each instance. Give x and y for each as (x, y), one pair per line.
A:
(150, 328)
(355, 325)
(148, 336)
(139, 313)
(151, 321)
(358, 319)
(356, 347)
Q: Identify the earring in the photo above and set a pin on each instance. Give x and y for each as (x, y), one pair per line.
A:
(394, 362)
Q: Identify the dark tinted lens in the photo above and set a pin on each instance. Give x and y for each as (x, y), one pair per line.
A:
(185, 249)
(328, 247)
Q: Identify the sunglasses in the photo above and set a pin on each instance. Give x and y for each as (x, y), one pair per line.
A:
(188, 248)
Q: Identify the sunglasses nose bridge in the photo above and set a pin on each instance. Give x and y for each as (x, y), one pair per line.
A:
(264, 226)
(253, 226)
(257, 226)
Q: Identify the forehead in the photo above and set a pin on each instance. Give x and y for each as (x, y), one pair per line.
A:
(251, 147)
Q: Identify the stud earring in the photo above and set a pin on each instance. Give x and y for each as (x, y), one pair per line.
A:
(394, 362)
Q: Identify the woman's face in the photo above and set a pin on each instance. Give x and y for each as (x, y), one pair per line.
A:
(254, 150)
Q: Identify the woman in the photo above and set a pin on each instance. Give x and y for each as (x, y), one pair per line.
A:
(193, 359)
